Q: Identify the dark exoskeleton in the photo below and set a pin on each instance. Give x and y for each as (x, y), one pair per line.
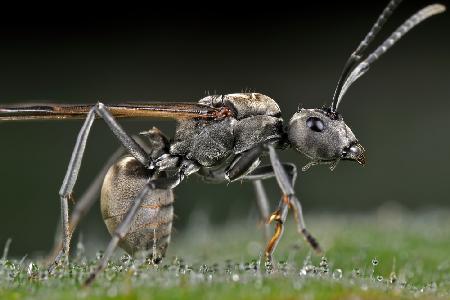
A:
(221, 138)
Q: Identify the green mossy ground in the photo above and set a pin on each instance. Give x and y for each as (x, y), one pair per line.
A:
(385, 255)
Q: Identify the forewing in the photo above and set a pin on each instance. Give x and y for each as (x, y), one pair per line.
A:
(173, 110)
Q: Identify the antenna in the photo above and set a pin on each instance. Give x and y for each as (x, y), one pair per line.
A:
(356, 56)
(363, 67)
(349, 76)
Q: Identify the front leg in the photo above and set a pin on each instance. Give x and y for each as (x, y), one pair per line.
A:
(288, 200)
(256, 177)
(279, 216)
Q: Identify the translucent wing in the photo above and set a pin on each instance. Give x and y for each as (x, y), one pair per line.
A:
(174, 110)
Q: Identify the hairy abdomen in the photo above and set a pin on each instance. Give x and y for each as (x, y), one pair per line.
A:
(152, 226)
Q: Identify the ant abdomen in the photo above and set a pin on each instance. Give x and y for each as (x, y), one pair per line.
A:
(150, 231)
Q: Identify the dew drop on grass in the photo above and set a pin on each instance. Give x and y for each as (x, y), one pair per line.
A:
(99, 255)
(254, 264)
(432, 286)
(380, 278)
(375, 262)
(32, 270)
(356, 272)
(392, 278)
(203, 269)
(269, 266)
(125, 259)
(337, 274)
(307, 269)
(235, 277)
(323, 265)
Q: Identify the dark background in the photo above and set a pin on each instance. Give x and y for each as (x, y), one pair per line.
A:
(399, 110)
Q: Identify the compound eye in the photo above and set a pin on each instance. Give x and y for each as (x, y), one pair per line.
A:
(315, 124)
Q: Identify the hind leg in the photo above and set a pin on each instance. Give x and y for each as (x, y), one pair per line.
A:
(82, 206)
(263, 206)
(77, 156)
(124, 226)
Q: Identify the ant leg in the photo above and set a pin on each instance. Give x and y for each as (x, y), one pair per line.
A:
(120, 232)
(290, 199)
(301, 228)
(263, 206)
(280, 217)
(70, 178)
(238, 170)
(266, 172)
(86, 201)
(73, 169)
(256, 177)
(122, 229)
(83, 205)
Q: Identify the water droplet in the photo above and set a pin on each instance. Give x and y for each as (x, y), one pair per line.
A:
(269, 266)
(254, 264)
(337, 274)
(246, 266)
(203, 269)
(307, 269)
(235, 277)
(356, 272)
(323, 265)
(32, 270)
(99, 255)
(392, 278)
(375, 262)
(380, 278)
(125, 259)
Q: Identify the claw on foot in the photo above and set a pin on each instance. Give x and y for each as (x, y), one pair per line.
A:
(312, 241)
(275, 216)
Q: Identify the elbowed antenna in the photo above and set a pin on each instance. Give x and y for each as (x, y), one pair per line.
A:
(363, 67)
(356, 56)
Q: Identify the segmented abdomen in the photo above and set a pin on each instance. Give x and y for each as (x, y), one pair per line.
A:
(152, 226)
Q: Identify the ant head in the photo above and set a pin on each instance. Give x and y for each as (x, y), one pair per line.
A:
(323, 136)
